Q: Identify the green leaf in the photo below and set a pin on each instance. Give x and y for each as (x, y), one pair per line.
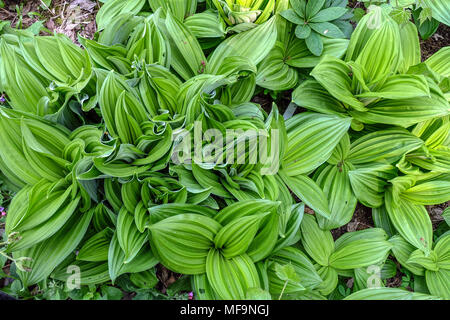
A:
(439, 62)
(310, 94)
(257, 294)
(286, 273)
(334, 75)
(130, 239)
(299, 7)
(439, 283)
(400, 87)
(96, 248)
(334, 181)
(429, 192)
(384, 145)
(360, 249)
(318, 244)
(402, 250)
(329, 14)
(388, 294)
(309, 278)
(327, 29)
(303, 31)
(47, 255)
(410, 46)
(309, 192)
(315, 44)
(274, 74)
(254, 44)
(368, 182)
(311, 140)
(231, 278)
(440, 10)
(429, 262)
(92, 272)
(188, 58)
(291, 16)
(145, 280)
(113, 8)
(381, 220)
(313, 7)
(446, 216)
(235, 237)
(182, 242)
(411, 221)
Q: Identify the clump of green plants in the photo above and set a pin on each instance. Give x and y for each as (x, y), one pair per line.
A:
(145, 148)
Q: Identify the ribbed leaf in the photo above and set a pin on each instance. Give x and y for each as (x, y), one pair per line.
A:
(130, 239)
(254, 44)
(318, 244)
(48, 254)
(389, 294)
(311, 140)
(439, 283)
(411, 221)
(182, 242)
(96, 247)
(335, 183)
(360, 249)
(231, 278)
(309, 192)
(309, 278)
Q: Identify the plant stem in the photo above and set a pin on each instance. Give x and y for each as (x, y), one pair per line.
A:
(282, 291)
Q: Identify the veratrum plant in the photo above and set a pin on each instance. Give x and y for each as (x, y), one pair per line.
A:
(318, 19)
(98, 147)
(244, 11)
(378, 82)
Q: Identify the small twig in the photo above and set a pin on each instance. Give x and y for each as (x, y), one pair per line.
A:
(43, 3)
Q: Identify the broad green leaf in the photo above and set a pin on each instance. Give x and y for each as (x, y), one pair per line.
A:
(383, 145)
(315, 44)
(369, 180)
(130, 239)
(334, 75)
(309, 278)
(389, 294)
(330, 280)
(273, 73)
(292, 16)
(439, 283)
(410, 46)
(254, 44)
(318, 244)
(402, 250)
(231, 278)
(188, 58)
(92, 272)
(329, 14)
(96, 248)
(235, 237)
(112, 8)
(440, 62)
(359, 249)
(411, 221)
(327, 29)
(47, 255)
(309, 192)
(182, 242)
(429, 192)
(440, 10)
(311, 140)
(335, 183)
